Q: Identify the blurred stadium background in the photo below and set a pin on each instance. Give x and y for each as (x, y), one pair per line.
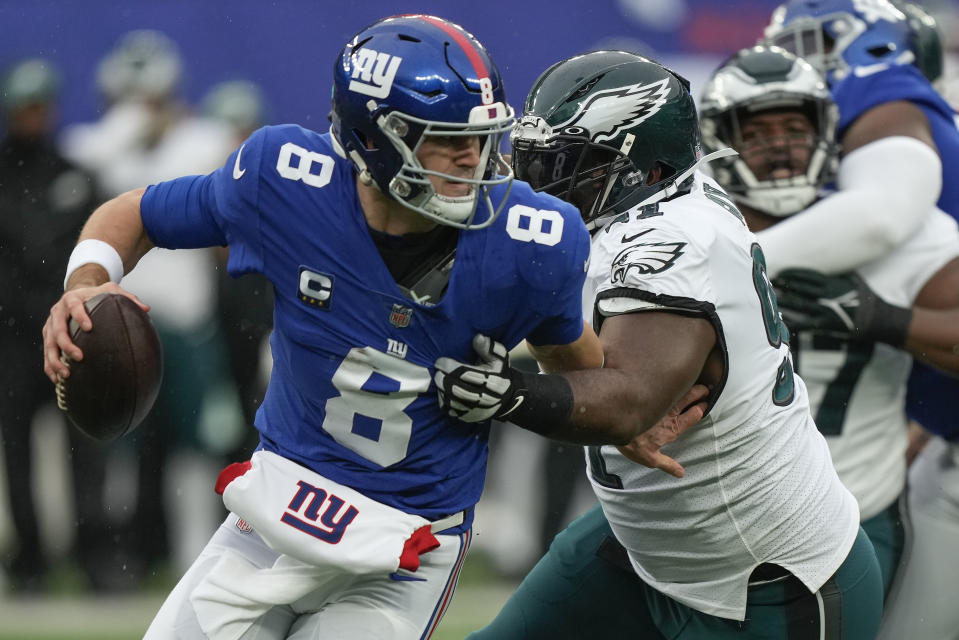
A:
(287, 47)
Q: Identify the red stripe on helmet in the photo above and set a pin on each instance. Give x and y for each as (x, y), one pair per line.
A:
(471, 52)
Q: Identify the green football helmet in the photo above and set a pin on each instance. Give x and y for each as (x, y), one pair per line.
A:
(29, 82)
(757, 80)
(595, 125)
(926, 40)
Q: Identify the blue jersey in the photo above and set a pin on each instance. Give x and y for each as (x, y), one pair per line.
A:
(856, 94)
(351, 393)
(933, 397)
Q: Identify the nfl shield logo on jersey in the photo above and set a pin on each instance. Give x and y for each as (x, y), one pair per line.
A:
(400, 316)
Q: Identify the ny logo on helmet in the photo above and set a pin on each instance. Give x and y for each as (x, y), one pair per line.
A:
(607, 113)
(375, 72)
(873, 11)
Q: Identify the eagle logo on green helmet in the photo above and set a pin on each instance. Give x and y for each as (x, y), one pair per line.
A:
(606, 114)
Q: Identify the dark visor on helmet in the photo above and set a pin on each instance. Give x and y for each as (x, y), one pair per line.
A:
(568, 167)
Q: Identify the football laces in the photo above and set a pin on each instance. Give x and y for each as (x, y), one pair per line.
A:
(61, 386)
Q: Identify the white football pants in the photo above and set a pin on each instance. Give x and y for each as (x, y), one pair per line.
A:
(240, 589)
(922, 603)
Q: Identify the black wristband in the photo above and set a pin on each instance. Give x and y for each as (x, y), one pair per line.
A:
(546, 405)
(895, 325)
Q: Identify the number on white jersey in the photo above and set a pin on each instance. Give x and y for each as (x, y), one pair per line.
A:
(776, 331)
(836, 400)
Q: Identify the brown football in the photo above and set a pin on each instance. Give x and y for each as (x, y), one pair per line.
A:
(112, 389)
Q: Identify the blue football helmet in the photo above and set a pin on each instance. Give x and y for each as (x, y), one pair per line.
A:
(408, 77)
(836, 36)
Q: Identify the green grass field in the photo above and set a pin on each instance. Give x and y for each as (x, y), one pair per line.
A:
(69, 614)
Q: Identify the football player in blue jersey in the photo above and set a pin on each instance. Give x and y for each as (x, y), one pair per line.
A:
(897, 135)
(391, 240)
(754, 535)
(879, 58)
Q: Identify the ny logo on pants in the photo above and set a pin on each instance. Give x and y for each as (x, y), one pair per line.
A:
(304, 513)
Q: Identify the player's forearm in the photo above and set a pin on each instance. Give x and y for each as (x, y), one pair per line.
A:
(611, 406)
(934, 338)
(595, 406)
(116, 222)
(585, 353)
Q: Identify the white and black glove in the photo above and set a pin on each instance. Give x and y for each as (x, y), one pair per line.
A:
(839, 304)
(489, 389)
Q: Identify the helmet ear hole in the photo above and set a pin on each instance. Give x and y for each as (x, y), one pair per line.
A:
(366, 142)
(880, 51)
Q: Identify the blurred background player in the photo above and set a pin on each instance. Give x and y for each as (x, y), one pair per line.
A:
(149, 134)
(44, 199)
(756, 537)
(879, 62)
(921, 605)
(896, 133)
(775, 110)
(244, 304)
(890, 118)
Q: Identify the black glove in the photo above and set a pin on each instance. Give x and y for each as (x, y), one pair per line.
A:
(483, 391)
(839, 304)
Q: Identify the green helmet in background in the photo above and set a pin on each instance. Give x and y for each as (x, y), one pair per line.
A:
(926, 39)
(32, 81)
(595, 125)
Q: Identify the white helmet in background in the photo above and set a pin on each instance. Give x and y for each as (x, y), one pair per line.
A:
(238, 103)
(144, 64)
(760, 79)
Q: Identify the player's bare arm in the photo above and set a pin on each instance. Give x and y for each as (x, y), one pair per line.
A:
(934, 330)
(117, 223)
(586, 352)
(897, 118)
(652, 361)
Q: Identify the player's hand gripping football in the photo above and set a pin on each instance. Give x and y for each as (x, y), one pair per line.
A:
(56, 334)
(483, 391)
(645, 448)
(839, 304)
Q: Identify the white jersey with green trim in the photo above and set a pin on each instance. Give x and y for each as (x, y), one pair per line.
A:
(759, 485)
(857, 389)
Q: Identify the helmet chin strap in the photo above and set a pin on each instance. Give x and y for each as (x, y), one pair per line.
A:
(673, 187)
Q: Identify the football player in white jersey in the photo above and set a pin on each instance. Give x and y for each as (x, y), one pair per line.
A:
(758, 538)
(775, 110)
(854, 377)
